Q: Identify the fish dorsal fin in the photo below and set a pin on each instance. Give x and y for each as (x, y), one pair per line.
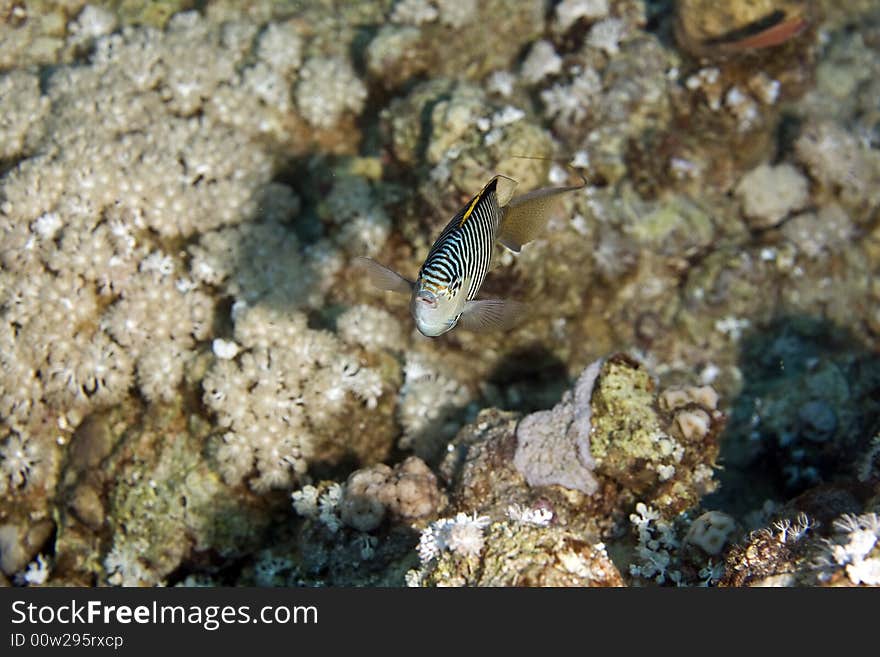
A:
(503, 188)
(382, 277)
(525, 216)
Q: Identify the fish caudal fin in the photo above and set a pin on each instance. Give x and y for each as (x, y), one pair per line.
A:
(525, 216)
(491, 314)
(382, 277)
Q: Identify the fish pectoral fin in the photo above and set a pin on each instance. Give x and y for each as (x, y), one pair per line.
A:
(490, 314)
(525, 216)
(382, 277)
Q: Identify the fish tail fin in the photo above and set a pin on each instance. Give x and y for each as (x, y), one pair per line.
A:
(526, 215)
(570, 166)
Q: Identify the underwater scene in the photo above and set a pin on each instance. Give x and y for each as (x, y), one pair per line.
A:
(440, 293)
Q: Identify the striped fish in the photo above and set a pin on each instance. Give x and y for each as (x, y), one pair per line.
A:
(444, 294)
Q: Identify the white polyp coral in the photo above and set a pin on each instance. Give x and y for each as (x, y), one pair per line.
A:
(835, 157)
(148, 142)
(280, 46)
(235, 455)
(158, 325)
(286, 380)
(268, 85)
(160, 370)
(91, 23)
(657, 543)
(95, 304)
(770, 193)
(328, 88)
(328, 507)
(568, 12)
(256, 262)
(123, 564)
(224, 349)
(456, 13)
(462, 535)
(305, 501)
(370, 327)
(414, 12)
(18, 458)
(187, 87)
(23, 110)
(866, 571)
(854, 546)
(237, 37)
(36, 573)
(606, 35)
(541, 61)
(361, 223)
(539, 517)
(572, 103)
(501, 83)
(711, 531)
(427, 398)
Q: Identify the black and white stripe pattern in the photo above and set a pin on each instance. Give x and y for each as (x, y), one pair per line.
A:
(464, 248)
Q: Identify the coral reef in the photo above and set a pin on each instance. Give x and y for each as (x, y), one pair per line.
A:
(519, 554)
(186, 346)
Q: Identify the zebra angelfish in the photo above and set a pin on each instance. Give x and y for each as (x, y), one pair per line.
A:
(445, 292)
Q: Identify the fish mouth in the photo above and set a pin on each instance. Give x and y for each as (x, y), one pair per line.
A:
(427, 298)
